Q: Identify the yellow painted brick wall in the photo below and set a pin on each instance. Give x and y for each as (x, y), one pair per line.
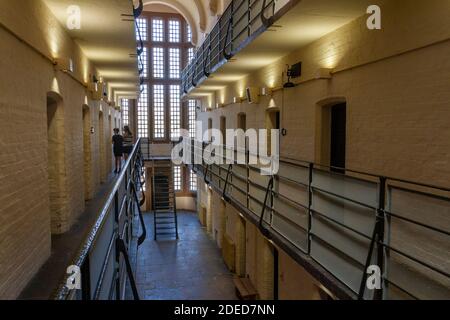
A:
(294, 283)
(395, 82)
(26, 78)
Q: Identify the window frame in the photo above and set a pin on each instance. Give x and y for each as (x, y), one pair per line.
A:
(184, 45)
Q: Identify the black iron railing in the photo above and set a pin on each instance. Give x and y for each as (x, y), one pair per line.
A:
(345, 221)
(103, 259)
(240, 24)
(140, 45)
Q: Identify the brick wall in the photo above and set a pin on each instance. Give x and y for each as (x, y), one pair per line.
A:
(25, 211)
(395, 85)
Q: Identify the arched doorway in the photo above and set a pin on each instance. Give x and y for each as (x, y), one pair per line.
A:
(338, 135)
(273, 121)
(56, 162)
(87, 153)
(331, 134)
(223, 129)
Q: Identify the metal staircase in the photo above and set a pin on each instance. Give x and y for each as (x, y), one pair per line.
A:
(164, 201)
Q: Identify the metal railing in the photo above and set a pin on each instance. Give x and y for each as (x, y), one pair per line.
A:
(140, 46)
(103, 258)
(241, 23)
(346, 221)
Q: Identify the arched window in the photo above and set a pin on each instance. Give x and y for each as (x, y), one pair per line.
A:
(168, 47)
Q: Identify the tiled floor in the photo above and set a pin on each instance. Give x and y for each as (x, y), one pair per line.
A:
(188, 269)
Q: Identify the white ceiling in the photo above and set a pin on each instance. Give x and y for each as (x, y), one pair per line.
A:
(106, 38)
(308, 21)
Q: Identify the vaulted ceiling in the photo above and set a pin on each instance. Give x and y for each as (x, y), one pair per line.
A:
(200, 14)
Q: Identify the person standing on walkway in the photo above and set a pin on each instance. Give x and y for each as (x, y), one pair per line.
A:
(117, 141)
(128, 142)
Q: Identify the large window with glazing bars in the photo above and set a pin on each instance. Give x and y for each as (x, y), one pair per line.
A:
(168, 47)
(177, 178)
(142, 112)
(159, 114)
(192, 181)
(192, 118)
(175, 112)
(142, 29)
(125, 104)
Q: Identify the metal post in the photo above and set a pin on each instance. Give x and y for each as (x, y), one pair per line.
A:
(310, 213)
(381, 221)
(249, 17)
(116, 236)
(377, 239)
(247, 154)
(86, 280)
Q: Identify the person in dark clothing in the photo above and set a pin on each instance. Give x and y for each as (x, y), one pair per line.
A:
(128, 141)
(117, 141)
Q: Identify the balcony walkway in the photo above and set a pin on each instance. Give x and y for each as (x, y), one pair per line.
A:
(191, 268)
(65, 246)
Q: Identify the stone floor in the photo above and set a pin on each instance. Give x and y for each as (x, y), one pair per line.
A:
(191, 268)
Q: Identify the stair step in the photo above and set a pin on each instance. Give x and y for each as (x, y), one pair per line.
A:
(165, 228)
(165, 222)
(165, 233)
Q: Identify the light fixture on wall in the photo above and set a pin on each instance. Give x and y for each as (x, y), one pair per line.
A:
(294, 71)
(92, 87)
(252, 95)
(65, 64)
(238, 100)
(265, 91)
(98, 94)
(324, 73)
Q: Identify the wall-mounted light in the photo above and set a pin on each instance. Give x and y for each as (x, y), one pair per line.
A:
(238, 100)
(265, 91)
(272, 105)
(65, 64)
(294, 71)
(92, 87)
(252, 95)
(98, 94)
(324, 73)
